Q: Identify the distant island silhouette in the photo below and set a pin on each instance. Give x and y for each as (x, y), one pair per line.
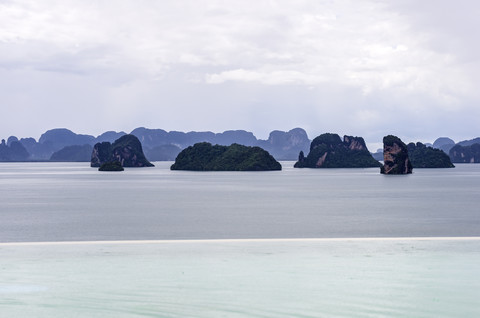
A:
(61, 144)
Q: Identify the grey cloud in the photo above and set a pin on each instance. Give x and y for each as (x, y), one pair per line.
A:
(355, 67)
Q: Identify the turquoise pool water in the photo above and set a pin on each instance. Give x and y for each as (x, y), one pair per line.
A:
(432, 277)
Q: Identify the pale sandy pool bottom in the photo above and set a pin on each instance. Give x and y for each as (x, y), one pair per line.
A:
(366, 277)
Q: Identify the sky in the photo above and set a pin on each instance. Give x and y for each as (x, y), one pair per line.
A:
(364, 68)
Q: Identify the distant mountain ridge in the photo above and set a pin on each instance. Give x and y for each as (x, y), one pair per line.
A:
(443, 143)
(158, 144)
(466, 151)
(161, 145)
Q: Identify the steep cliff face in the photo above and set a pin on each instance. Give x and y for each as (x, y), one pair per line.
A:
(395, 156)
(354, 143)
(101, 154)
(329, 151)
(465, 154)
(127, 150)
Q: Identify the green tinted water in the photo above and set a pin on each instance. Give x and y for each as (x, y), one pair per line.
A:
(280, 278)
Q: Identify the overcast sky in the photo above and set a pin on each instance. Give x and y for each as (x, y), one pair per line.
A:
(364, 68)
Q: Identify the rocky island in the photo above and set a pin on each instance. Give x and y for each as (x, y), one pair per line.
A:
(422, 156)
(205, 157)
(395, 156)
(329, 151)
(465, 153)
(111, 166)
(127, 150)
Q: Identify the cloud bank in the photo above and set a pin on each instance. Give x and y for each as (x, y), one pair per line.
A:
(365, 68)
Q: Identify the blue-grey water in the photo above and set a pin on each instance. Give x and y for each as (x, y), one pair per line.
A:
(295, 243)
(71, 201)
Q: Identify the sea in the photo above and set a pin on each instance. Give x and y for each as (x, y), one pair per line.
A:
(151, 242)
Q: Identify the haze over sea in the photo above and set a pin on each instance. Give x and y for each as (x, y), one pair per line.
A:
(152, 242)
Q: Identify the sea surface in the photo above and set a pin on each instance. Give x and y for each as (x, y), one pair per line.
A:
(73, 202)
(75, 242)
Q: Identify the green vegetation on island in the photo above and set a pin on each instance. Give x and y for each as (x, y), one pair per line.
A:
(422, 156)
(111, 166)
(329, 151)
(205, 157)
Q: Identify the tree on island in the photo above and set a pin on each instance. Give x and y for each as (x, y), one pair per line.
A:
(111, 166)
(422, 156)
(205, 157)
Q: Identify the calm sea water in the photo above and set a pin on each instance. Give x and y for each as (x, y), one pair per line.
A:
(235, 244)
(259, 278)
(71, 201)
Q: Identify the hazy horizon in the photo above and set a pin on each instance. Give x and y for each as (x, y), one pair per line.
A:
(365, 68)
(373, 145)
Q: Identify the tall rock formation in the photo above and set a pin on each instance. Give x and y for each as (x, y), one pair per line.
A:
(329, 151)
(126, 149)
(395, 156)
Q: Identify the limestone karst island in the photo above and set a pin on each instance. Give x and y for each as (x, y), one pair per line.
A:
(395, 154)
(329, 151)
(325, 151)
(126, 150)
(205, 157)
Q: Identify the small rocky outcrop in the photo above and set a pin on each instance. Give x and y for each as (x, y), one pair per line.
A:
(423, 156)
(395, 156)
(329, 151)
(205, 157)
(111, 166)
(127, 150)
(465, 154)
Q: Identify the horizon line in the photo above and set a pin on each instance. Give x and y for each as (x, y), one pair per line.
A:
(246, 240)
